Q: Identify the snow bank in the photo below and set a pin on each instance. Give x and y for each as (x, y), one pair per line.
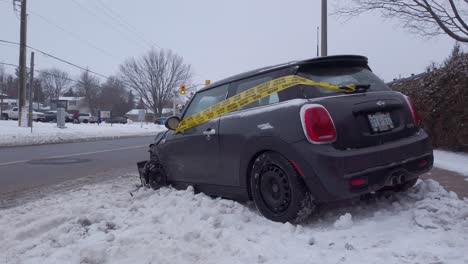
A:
(12, 135)
(103, 224)
(451, 161)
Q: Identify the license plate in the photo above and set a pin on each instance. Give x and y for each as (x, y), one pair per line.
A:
(380, 122)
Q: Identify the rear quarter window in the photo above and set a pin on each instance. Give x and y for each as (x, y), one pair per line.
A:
(339, 76)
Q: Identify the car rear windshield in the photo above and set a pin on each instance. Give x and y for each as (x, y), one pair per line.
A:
(340, 76)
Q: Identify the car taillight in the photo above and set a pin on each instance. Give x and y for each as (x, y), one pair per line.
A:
(414, 112)
(317, 124)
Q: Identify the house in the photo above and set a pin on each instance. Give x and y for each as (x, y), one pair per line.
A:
(8, 103)
(149, 117)
(135, 113)
(71, 104)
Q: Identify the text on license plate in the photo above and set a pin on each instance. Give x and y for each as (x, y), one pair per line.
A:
(380, 122)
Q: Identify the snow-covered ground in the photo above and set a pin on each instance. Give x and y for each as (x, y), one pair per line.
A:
(456, 162)
(12, 135)
(102, 223)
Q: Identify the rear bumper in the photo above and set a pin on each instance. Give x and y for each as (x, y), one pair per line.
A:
(328, 172)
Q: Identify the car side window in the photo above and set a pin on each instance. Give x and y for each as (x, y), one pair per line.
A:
(244, 85)
(206, 99)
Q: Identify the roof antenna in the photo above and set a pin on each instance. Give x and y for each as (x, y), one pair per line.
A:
(318, 29)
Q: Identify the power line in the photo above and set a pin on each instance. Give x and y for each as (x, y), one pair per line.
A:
(119, 19)
(104, 22)
(13, 3)
(57, 76)
(57, 58)
(43, 72)
(8, 45)
(8, 64)
(76, 36)
(71, 33)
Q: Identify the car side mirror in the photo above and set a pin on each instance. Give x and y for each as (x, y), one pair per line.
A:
(172, 123)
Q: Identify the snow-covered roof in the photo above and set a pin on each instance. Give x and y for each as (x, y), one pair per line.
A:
(70, 98)
(148, 111)
(167, 110)
(137, 111)
(10, 100)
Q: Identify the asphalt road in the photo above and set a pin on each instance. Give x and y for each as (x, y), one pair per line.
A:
(25, 168)
(34, 171)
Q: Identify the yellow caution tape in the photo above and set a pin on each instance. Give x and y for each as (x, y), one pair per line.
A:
(253, 94)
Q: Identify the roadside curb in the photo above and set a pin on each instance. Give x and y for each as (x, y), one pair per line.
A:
(75, 140)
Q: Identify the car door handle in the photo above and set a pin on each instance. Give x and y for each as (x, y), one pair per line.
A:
(209, 132)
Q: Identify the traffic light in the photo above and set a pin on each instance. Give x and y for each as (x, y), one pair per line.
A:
(182, 89)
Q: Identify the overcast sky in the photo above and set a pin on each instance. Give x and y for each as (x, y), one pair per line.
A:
(218, 38)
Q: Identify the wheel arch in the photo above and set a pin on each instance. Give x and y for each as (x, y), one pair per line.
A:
(258, 146)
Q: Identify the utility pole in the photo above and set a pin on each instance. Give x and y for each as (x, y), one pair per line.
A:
(22, 62)
(2, 74)
(174, 104)
(324, 28)
(318, 41)
(31, 85)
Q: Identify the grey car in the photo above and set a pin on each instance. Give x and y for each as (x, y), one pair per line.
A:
(299, 147)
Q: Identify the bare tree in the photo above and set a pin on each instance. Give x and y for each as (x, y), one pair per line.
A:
(114, 97)
(155, 77)
(88, 87)
(54, 83)
(425, 17)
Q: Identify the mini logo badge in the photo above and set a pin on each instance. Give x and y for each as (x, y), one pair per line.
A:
(381, 103)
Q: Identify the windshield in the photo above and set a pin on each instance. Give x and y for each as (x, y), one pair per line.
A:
(341, 76)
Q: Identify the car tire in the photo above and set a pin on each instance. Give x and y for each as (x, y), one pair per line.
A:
(155, 175)
(4, 117)
(85, 121)
(278, 191)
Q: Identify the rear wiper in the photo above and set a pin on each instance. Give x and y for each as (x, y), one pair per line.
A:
(358, 88)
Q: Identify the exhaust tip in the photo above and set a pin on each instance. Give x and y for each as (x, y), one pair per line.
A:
(397, 177)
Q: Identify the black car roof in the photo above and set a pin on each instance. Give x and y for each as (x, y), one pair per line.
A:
(326, 59)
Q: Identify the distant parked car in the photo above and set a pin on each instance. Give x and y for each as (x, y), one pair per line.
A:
(116, 120)
(87, 118)
(160, 120)
(14, 112)
(68, 117)
(51, 116)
